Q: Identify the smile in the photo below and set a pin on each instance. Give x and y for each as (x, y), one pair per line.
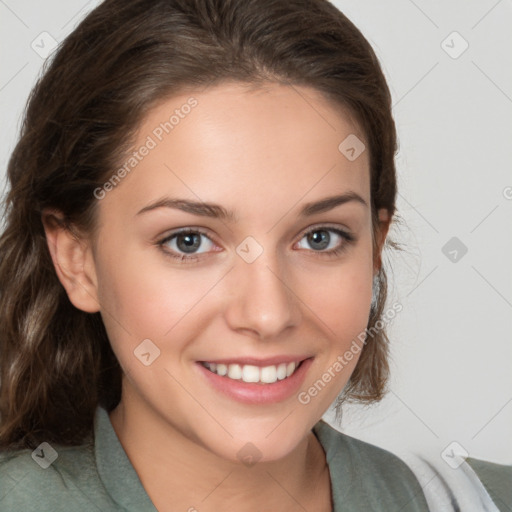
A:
(253, 374)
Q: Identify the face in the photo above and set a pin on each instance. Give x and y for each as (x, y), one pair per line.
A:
(223, 317)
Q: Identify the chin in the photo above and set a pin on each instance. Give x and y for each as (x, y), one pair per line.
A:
(266, 442)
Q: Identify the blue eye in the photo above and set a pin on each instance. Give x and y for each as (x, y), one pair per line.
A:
(186, 244)
(320, 239)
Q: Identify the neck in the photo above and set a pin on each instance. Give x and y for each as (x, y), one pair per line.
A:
(179, 474)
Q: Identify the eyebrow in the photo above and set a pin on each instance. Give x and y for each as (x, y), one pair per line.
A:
(219, 212)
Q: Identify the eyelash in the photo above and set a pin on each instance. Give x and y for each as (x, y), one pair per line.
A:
(190, 258)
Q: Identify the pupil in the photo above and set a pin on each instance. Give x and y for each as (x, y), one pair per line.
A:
(323, 239)
(191, 241)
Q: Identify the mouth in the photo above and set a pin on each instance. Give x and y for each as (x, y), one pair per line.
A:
(253, 381)
(256, 381)
(250, 373)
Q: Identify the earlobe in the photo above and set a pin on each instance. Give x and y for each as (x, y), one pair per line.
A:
(73, 262)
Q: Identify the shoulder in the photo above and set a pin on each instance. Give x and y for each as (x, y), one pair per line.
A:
(51, 478)
(377, 477)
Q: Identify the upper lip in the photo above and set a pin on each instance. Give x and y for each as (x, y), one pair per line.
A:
(269, 361)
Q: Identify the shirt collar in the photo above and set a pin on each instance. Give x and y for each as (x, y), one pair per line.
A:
(344, 480)
(115, 469)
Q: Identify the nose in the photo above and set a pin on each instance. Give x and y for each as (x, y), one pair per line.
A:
(263, 301)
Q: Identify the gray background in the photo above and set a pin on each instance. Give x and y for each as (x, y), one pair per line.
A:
(451, 350)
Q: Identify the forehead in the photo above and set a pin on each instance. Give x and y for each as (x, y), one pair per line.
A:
(269, 144)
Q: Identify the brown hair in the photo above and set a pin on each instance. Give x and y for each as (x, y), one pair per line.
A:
(80, 121)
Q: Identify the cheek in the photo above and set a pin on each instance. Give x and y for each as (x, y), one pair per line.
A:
(343, 304)
(143, 298)
(341, 296)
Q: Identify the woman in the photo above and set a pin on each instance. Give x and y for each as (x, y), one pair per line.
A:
(191, 268)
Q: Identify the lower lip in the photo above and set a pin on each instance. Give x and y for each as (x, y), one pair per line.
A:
(256, 393)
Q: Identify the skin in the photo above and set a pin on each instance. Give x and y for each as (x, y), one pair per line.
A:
(264, 154)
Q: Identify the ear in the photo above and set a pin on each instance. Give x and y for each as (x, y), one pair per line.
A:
(73, 261)
(382, 232)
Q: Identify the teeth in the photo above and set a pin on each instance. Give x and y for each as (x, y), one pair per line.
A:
(251, 373)
(281, 372)
(234, 371)
(268, 374)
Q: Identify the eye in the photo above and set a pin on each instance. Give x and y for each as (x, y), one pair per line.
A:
(327, 240)
(185, 244)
